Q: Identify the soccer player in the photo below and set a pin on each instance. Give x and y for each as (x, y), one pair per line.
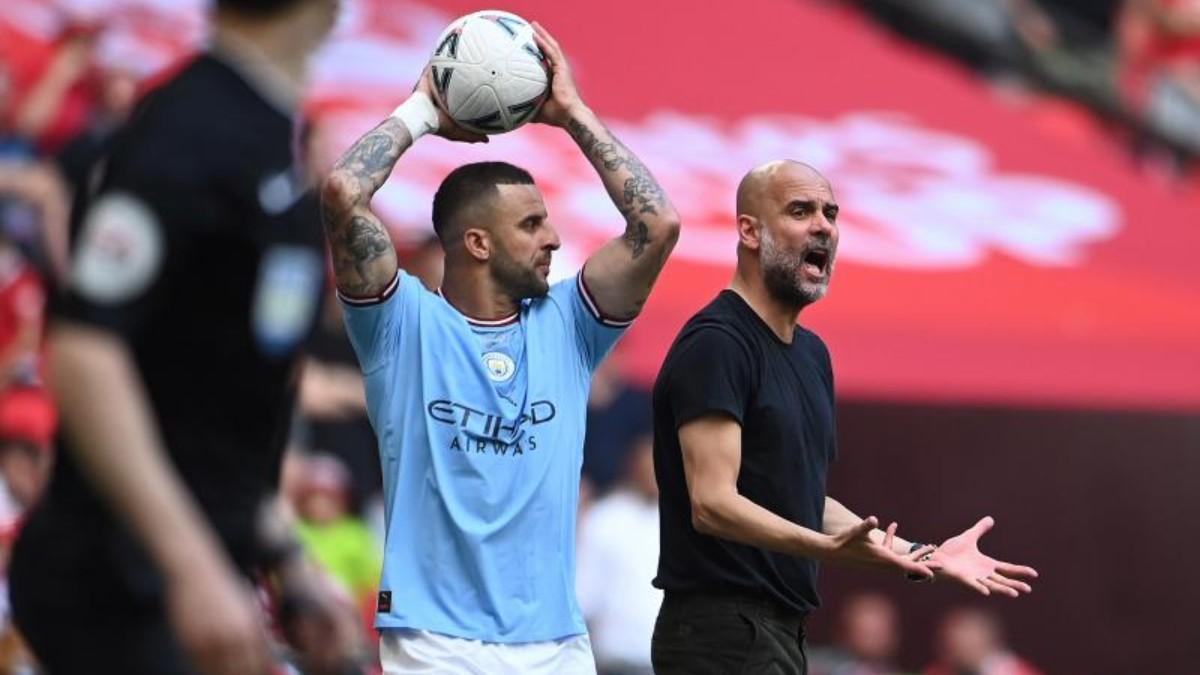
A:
(744, 434)
(478, 393)
(196, 280)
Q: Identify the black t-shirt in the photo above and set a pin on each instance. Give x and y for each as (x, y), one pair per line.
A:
(201, 249)
(727, 361)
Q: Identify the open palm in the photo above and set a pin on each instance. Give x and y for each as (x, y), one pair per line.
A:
(959, 558)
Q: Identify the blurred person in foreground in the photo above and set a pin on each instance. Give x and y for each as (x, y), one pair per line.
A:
(971, 642)
(743, 438)
(865, 640)
(618, 553)
(195, 282)
(478, 393)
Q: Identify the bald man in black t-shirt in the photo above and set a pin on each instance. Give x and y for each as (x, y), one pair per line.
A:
(744, 434)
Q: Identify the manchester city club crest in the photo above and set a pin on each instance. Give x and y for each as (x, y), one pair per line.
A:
(500, 366)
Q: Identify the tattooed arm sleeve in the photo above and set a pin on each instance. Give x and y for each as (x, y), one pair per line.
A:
(621, 274)
(364, 261)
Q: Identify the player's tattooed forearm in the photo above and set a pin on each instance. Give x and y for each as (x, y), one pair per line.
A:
(371, 159)
(587, 141)
(378, 152)
(612, 154)
(357, 240)
(641, 194)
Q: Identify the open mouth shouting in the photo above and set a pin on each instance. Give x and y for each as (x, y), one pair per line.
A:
(816, 261)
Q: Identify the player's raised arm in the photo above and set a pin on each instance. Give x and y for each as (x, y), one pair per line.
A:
(364, 260)
(621, 274)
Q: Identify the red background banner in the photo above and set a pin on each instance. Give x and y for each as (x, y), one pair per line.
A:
(995, 249)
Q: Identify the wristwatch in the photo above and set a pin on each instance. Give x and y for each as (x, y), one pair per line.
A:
(913, 576)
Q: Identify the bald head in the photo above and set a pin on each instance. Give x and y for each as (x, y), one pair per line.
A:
(766, 182)
(787, 230)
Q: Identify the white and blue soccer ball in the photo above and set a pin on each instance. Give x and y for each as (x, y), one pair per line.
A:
(488, 72)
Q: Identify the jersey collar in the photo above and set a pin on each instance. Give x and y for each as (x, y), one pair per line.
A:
(483, 323)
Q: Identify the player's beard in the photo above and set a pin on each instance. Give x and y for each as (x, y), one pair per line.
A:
(517, 281)
(783, 275)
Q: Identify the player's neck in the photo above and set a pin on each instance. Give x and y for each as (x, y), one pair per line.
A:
(477, 298)
(780, 317)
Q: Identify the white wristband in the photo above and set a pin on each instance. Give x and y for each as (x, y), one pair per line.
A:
(418, 114)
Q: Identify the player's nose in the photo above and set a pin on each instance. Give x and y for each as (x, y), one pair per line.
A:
(553, 242)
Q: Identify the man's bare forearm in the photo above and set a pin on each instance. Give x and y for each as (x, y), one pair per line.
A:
(370, 160)
(364, 260)
(730, 516)
(650, 221)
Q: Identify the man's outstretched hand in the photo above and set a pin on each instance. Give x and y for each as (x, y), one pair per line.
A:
(960, 559)
(855, 545)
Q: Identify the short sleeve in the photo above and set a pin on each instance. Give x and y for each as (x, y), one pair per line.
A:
(373, 324)
(709, 373)
(132, 240)
(595, 333)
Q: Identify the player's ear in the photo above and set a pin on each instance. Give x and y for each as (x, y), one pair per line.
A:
(749, 231)
(478, 243)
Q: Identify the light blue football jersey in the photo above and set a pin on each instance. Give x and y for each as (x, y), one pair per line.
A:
(480, 428)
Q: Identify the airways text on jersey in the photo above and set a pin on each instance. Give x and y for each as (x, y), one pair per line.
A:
(481, 432)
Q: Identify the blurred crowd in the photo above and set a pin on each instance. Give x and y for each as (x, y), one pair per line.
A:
(1134, 63)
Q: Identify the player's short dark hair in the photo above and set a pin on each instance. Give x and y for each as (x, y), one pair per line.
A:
(258, 8)
(467, 185)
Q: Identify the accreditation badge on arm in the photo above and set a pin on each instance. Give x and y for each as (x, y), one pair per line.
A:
(120, 251)
(119, 264)
(286, 297)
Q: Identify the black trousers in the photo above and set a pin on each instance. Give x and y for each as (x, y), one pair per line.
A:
(702, 634)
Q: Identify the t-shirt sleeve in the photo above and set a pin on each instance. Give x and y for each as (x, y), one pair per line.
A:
(374, 324)
(709, 373)
(133, 239)
(595, 333)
